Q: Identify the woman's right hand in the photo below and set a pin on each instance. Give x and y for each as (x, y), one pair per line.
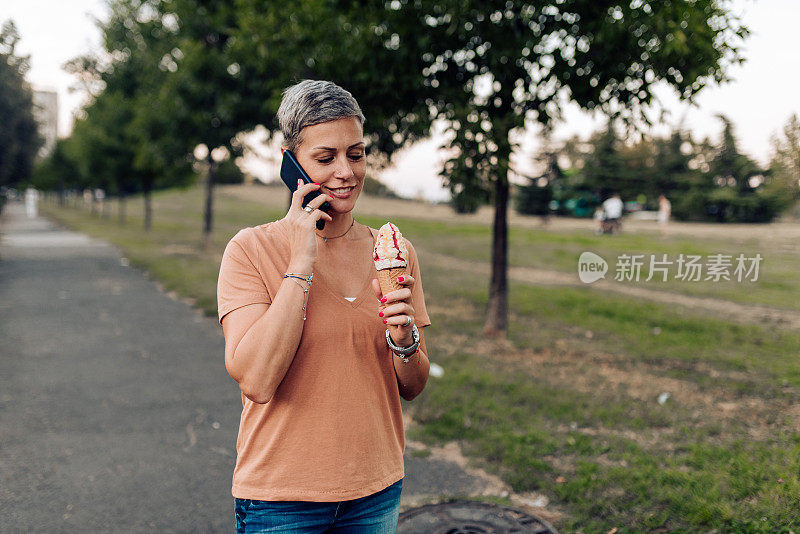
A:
(302, 227)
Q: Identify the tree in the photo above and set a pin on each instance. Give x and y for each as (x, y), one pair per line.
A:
(58, 172)
(485, 70)
(729, 166)
(129, 138)
(784, 175)
(208, 93)
(534, 197)
(605, 171)
(673, 164)
(735, 188)
(19, 136)
(284, 41)
(103, 147)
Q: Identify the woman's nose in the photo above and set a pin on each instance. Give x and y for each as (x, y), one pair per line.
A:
(343, 169)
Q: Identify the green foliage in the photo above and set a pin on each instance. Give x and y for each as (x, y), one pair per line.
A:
(704, 181)
(204, 70)
(19, 137)
(378, 189)
(58, 172)
(784, 177)
(126, 141)
(673, 174)
(605, 172)
(646, 168)
(207, 94)
(485, 71)
(229, 173)
(282, 42)
(730, 165)
(726, 205)
(468, 194)
(691, 206)
(533, 199)
(734, 188)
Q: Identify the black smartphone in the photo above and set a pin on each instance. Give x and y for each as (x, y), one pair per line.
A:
(291, 171)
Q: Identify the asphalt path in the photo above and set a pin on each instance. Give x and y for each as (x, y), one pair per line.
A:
(116, 412)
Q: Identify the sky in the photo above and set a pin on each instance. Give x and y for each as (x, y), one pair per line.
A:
(759, 100)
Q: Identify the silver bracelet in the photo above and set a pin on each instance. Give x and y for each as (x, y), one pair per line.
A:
(296, 279)
(404, 352)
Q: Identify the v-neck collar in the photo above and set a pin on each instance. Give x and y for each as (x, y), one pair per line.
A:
(365, 290)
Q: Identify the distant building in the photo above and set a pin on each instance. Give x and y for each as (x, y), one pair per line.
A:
(45, 110)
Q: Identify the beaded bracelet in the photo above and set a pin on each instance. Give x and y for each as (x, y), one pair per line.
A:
(300, 276)
(295, 277)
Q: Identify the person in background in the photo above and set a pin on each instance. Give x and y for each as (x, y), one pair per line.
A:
(613, 208)
(664, 213)
(31, 199)
(599, 220)
(321, 370)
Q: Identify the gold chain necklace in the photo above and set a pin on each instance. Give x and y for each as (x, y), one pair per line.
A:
(325, 239)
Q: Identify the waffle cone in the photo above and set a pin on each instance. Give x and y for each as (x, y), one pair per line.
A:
(387, 278)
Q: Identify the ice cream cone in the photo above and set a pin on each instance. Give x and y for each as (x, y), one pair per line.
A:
(391, 257)
(387, 278)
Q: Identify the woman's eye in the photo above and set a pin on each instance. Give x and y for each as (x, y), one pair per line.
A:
(325, 160)
(356, 157)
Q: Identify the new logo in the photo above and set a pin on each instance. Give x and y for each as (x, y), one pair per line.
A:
(591, 267)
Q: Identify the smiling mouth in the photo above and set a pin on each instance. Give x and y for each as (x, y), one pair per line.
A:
(341, 192)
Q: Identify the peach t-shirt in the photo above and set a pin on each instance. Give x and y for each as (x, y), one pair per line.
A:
(333, 430)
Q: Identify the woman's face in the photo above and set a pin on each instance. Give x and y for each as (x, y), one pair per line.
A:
(332, 153)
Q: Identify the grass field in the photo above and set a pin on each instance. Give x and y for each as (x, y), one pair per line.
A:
(568, 408)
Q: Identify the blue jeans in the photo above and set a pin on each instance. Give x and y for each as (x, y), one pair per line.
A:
(373, 514)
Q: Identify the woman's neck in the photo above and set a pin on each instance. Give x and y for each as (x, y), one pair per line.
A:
(340, 224)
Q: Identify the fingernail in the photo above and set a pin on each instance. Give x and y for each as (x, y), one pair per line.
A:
(299, 181)
(380, 314)
(383, 300)
(384, 321)
(316, 183)
(400, 279)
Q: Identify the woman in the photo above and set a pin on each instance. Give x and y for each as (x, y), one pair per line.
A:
(664, 213)
(321, 438)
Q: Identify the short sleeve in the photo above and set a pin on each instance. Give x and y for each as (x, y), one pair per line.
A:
(417, 294)
(240, 283)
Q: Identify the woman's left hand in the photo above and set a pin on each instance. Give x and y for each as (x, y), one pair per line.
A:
(396, 310)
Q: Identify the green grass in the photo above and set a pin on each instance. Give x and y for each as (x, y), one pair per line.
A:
(777, 283)
(684, 471)
(568, 407)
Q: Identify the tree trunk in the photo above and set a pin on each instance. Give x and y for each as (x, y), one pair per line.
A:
(208, 225)
(148, 209)
(497, 310)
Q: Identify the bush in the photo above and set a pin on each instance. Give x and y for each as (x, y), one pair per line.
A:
(728, 205)
(229, 173)
(533, 200)
(691, 206)
(467, 198)
(377, 189)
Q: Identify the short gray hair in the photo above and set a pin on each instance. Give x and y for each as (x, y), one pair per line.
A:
(313, 102)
